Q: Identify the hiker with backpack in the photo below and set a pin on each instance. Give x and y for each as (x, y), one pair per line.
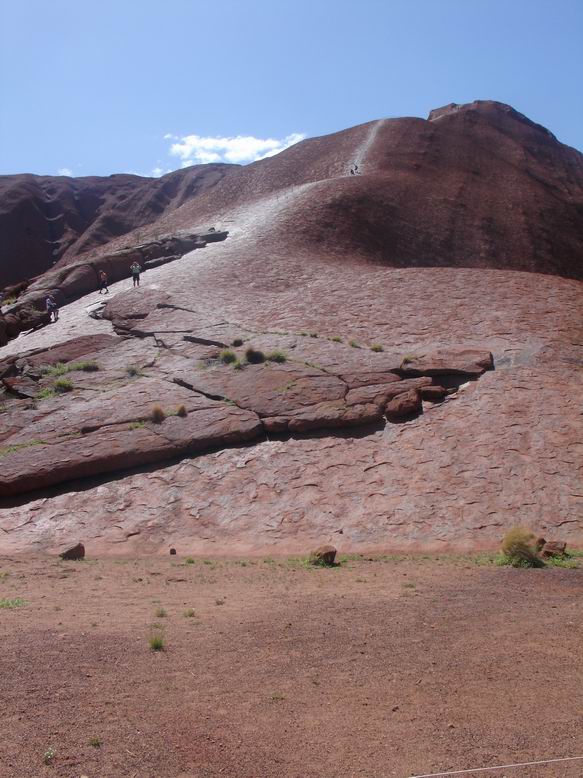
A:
(103, 282)
(135, 269)
(52, 308)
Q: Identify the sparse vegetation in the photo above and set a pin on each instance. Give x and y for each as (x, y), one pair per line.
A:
(63, 385)
(45, 394)
(254, 356)
(314, 334)
(133, 371)
(238, 365)
(95, 742)
(277, 696)
(160, 612)
(376, 347)
(157, 415)
(408, 358)
(276, 356)
(237, 342)
(189, 560)
(136, 425)
(2, 407)
(17, 602)
(61, 368)
(336, 339)
(12, 449)
(181, 411)
(227, 356)
(49, 755)
(189, 613)
(354, 344)
(157, 643)
(519, 549)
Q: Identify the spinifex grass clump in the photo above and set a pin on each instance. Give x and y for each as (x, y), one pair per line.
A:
(63, 385)
(519, 548)
(60, 368)
(157, 415)
(237, 342)
(276, 356)
(254, 357)
(227, 356)
(376, 347)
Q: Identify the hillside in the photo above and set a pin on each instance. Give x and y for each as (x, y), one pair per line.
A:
(48, 221)
(417, 392)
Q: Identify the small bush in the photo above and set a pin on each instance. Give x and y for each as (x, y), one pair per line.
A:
(376, 347)
(157, 643)
(519, 547)
(133, 371)
(63, 385)
(45, 394)
(60, 368)
(189, 561)
(277, 356)
(49, 755)
(313, 334)
(354, 344)
(227, 356)
(254, 357)
(95, 742)
(157, 415)
(336, 339)
(238, 365)
(17, 602)
(237, 342)
(181, 411)
(189, 613)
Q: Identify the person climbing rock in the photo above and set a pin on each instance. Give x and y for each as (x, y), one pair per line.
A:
(103, 282)
(52, 308)
(136, 269)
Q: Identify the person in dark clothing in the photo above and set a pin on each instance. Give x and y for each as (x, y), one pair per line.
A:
(103, 282)
(136, 269)
(52, 308)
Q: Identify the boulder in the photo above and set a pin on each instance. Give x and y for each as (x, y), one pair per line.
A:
(74, 553)
(550, 548)
(323, 555)
(404, 406)
(462, 361)
(433, 394)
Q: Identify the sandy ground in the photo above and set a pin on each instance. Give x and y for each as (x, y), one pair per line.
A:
(385, 667)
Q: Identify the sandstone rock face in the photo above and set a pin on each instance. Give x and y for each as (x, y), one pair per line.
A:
(324, 267)
(75, 553)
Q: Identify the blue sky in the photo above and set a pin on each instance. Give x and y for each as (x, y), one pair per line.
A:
(146, 86)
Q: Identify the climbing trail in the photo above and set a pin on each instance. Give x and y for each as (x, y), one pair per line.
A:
(367, 144)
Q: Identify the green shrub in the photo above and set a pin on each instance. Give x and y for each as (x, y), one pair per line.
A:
(227, 356)
(189, 561)
(238, 365)
(17, 602)
(237, 342)
(157, 643)
(61, 368)
(376, 347)
(336, 339)
(63, 385)
(254, 357)
(277, 356)
(519, 547)
(157, 415)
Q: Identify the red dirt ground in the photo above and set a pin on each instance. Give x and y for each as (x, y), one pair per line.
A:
(376, 668)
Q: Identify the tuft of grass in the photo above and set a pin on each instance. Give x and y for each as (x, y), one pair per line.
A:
(2, 407)
(45, 394)
(189, 613)
(181, 411)
(518, 546)
(408, 358)
(277, 696)
(160, 613)
(227, 356)
(303, 334)
(376, 347)
(63, 385)
(17, 602)
(254, 356)
(95, 742)
(133, 371)
(189, 561)
(409, 585)
(336, 339)
(157, 643)
(5, 450)
(237, 365)
(277, 356)
(49, 755)
(136, 425)
(566, 562)
(354, 344)
(314, 335)
(237, 342)
(157, 415)
(61, 368)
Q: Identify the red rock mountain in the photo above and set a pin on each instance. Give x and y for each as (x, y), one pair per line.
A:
(47, 221)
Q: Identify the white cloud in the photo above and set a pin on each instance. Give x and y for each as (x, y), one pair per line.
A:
(242, 149)
(158, 171)
(64, 171)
